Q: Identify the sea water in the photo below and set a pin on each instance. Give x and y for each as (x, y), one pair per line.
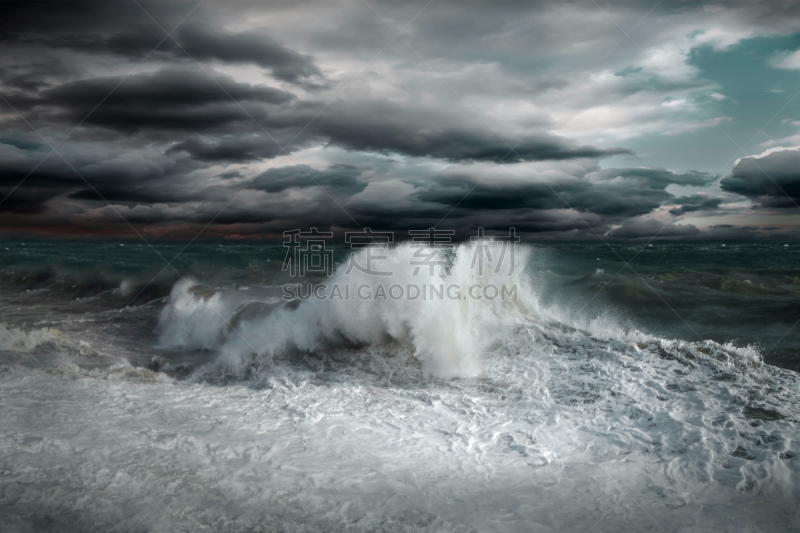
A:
(165, 387)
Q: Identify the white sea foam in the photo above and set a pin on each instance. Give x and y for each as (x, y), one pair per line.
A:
(448, 333)
(563, 430)
(193, 319)
(16, 339)
(565, 423)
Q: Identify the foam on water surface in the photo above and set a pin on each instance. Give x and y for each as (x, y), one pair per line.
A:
(389, 416)
(447, 334)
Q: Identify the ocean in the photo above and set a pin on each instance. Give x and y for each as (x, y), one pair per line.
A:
(174, 386)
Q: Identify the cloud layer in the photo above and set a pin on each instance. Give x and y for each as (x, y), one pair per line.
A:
(266, 117)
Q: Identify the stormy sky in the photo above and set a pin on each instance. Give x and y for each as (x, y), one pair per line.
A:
(622, 119)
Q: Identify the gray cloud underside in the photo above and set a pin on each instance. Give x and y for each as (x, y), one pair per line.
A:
(181, 100)
(615, 192)
(124, 29)
(772, 180)
(171, 144)
(694, 203)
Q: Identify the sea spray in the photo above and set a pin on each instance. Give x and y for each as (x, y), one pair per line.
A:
(194, 319)
(448, 333)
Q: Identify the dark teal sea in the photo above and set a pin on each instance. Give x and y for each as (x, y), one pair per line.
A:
(743, 293)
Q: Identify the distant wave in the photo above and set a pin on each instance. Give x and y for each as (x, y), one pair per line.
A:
(101, 287)
(20, 340)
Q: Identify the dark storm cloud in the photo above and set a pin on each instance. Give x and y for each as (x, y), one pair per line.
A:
(123, 177)
(52, 173)
(26, 188)
(139, 181)
(139, 191)
(549, 221)
(610, 192)
(631, 192)
(278, 179)
(201, 43)
(34, 176)
(239, 149)
(33, 76)
(654, 178)
(205, 43)
(386, 127)
(635, 229)
(124, 29)
(172, 86)
(163, 145)
(186, 99)
(30, 201)
(173, 98)
(143, 194)
(697, 202)
(23, 21)
(468, 194)
(389, 129)
(772, 180)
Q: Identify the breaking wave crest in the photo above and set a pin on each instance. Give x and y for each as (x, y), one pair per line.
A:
(447, 328)
(15, 339)
(448, 334)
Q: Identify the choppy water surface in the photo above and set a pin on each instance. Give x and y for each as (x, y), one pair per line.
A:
(663, 398)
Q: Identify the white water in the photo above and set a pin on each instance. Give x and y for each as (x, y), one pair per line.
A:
(448, 334)
(548, 427)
